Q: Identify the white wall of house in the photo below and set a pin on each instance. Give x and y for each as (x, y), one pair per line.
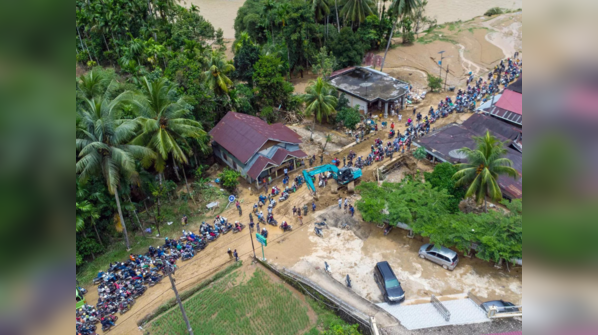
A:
(353, 101)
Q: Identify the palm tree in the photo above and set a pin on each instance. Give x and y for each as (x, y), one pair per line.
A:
(399, 9)
(91, 85)
(164, 125)
(216, 75)
(357, 10)
(484, 165)
(103, 148)
(321, 9)
(320, 100)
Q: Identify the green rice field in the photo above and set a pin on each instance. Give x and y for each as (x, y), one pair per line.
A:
(234, 305)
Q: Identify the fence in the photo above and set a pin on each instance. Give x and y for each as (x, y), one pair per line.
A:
(344, 311)
(440, 308)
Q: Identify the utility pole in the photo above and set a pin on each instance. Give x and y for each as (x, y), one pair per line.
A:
(252, 246)
(446, 77)
(169, 268)
(440, 63)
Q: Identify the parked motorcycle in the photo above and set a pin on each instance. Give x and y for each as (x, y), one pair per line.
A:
(238, 230)
(318, 231)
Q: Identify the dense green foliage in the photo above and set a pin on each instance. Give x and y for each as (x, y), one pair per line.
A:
(442, 178)
(271, 89)
(426, 209)
(347, 48)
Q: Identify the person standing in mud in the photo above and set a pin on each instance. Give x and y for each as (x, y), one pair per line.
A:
(321, 158)
(300, 218)
(304, 209)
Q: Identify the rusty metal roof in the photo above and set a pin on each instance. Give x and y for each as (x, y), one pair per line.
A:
(243, 135)
(445, 143)
(259, 165)
(282, 154)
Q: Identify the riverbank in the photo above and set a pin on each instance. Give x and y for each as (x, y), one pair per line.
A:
(222, 13)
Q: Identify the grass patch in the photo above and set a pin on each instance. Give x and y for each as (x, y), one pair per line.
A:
(187, 294)
(326, 317)
(435, 36)
(228, 306)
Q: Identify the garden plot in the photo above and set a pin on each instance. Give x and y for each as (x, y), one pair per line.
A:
(240, 303)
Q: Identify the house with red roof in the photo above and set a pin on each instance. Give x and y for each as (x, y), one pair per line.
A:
(255, 148)
(509, 106)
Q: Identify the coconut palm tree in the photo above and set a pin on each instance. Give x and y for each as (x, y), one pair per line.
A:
(103, 148)
(357, 10)
(321, 9)
(484, 165)
(216, 75)
(320, 100)
(91, 85)
(164, 125)
(399, 9)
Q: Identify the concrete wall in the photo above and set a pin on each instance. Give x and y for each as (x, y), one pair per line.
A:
(353, 101)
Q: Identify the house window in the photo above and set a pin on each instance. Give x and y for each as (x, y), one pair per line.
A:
(235, 165)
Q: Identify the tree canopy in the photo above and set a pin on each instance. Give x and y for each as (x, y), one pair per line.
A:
(426, 209)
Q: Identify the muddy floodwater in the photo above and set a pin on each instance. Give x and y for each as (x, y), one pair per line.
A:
(222, 13)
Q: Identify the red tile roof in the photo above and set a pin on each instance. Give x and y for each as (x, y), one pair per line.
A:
(243, 135)
(511, 101)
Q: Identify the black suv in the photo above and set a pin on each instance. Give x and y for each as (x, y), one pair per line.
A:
(388, 283)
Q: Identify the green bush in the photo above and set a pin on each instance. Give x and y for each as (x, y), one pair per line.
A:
(493, 11)
(268, 114)
(434, 83)
(442, 178)
(229, 179)
(420, 153)
(349, 117)
(343, 330)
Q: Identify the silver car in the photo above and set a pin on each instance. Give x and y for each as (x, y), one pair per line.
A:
(439, 255)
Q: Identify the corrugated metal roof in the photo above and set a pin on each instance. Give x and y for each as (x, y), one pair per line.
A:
(259, 166)
(479, 123)
(243, 135)
(517, 86)
(444, 143)
(511, 101)
(281, 154)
